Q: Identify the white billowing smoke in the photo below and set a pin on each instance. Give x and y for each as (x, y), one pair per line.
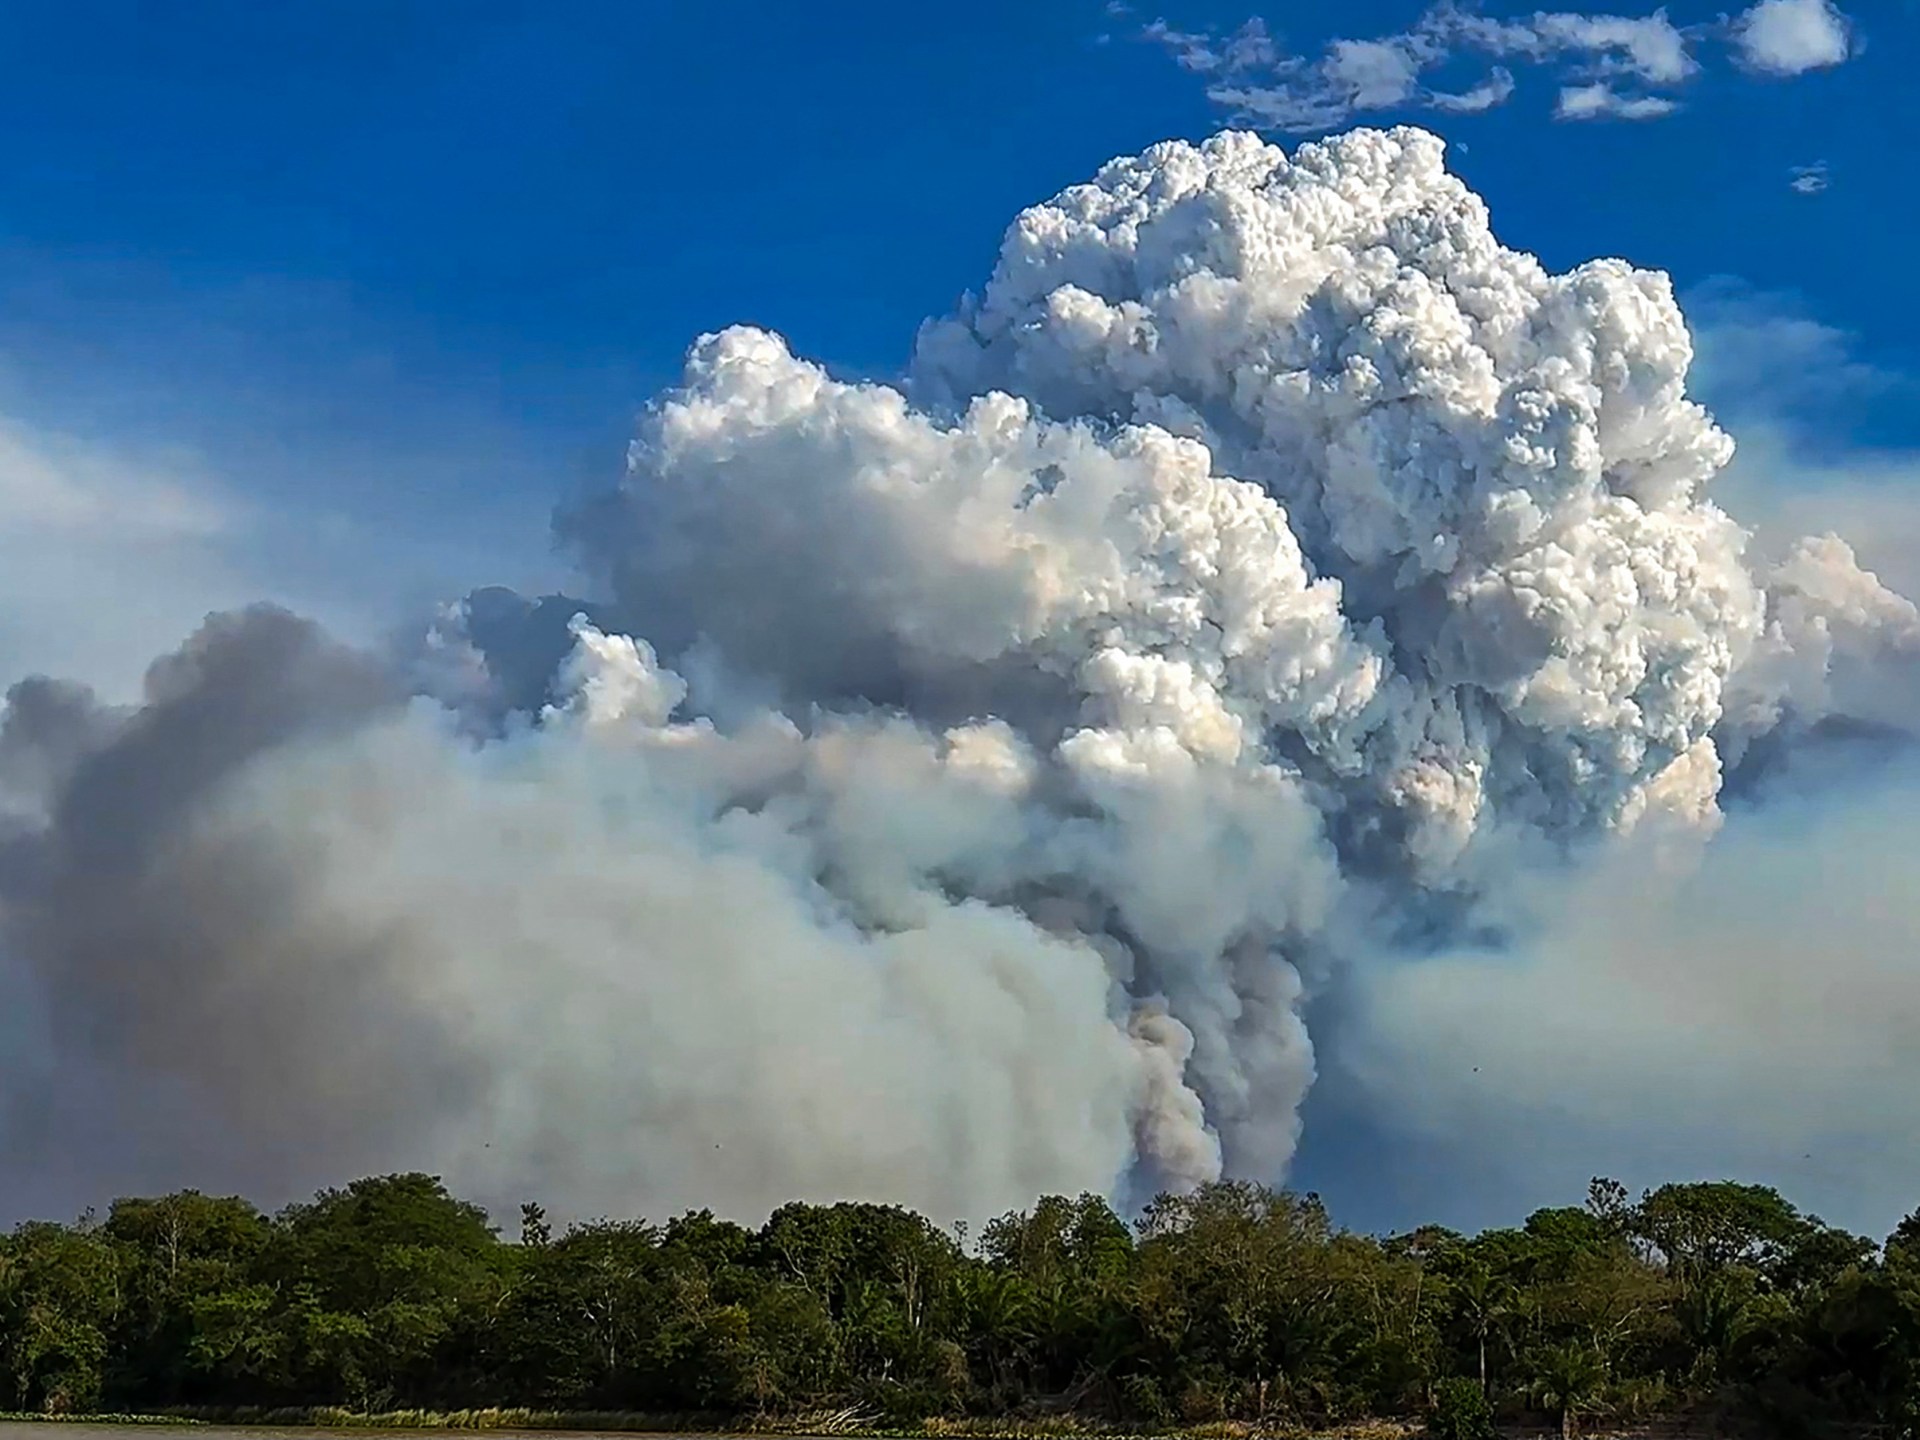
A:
(1837, 641)
(953, 791)
(1499, 466)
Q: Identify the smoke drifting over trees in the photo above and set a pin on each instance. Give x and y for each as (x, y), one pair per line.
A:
(951, 791)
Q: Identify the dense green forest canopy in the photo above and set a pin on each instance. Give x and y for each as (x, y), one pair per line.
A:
(1235, 1301)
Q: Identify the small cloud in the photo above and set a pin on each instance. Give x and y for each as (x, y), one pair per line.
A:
(1496, 89)
(51, 486)
(1809, 179)
(102, 554)
(1600, 101)
(1649, 48)
(1191, 50)
(1373, 74)
(1790, 37)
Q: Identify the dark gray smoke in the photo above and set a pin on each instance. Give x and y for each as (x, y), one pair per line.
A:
(192, 1008)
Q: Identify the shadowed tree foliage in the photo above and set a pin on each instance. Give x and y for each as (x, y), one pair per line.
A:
(1233, 1302)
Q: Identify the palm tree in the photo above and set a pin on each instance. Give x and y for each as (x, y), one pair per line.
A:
(1708, 1314)
(1482, 1298)
(1000, 1313)
(1566, 1381)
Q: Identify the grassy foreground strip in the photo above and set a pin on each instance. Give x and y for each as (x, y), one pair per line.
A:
(20, 1417)
(328, 1417)
(853, 1426)
(848, 1423)
(836, 1423)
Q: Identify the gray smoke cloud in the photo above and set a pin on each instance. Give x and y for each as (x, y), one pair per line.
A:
(953, 790)
(1746, 1009)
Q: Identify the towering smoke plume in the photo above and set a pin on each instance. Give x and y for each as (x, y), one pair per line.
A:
(951, 791)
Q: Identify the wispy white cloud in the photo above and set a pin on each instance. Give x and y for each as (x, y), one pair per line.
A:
(113, 546)
(1609, 66)
(111, 550)
(1600, 101)
(1496, 89)
(59, 488)
(103, 556)
(1248, 48)
(1789, 37)
(1649, 48)
(1809, 179)
(1375, 73)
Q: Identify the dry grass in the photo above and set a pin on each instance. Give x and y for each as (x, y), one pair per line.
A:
(852, 1422)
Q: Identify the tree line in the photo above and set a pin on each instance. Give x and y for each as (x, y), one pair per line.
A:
(1234, 1302)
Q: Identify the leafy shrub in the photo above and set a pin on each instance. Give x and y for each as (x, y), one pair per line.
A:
(1144, 1400)
(1460, 1412)
(1201, 1402)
